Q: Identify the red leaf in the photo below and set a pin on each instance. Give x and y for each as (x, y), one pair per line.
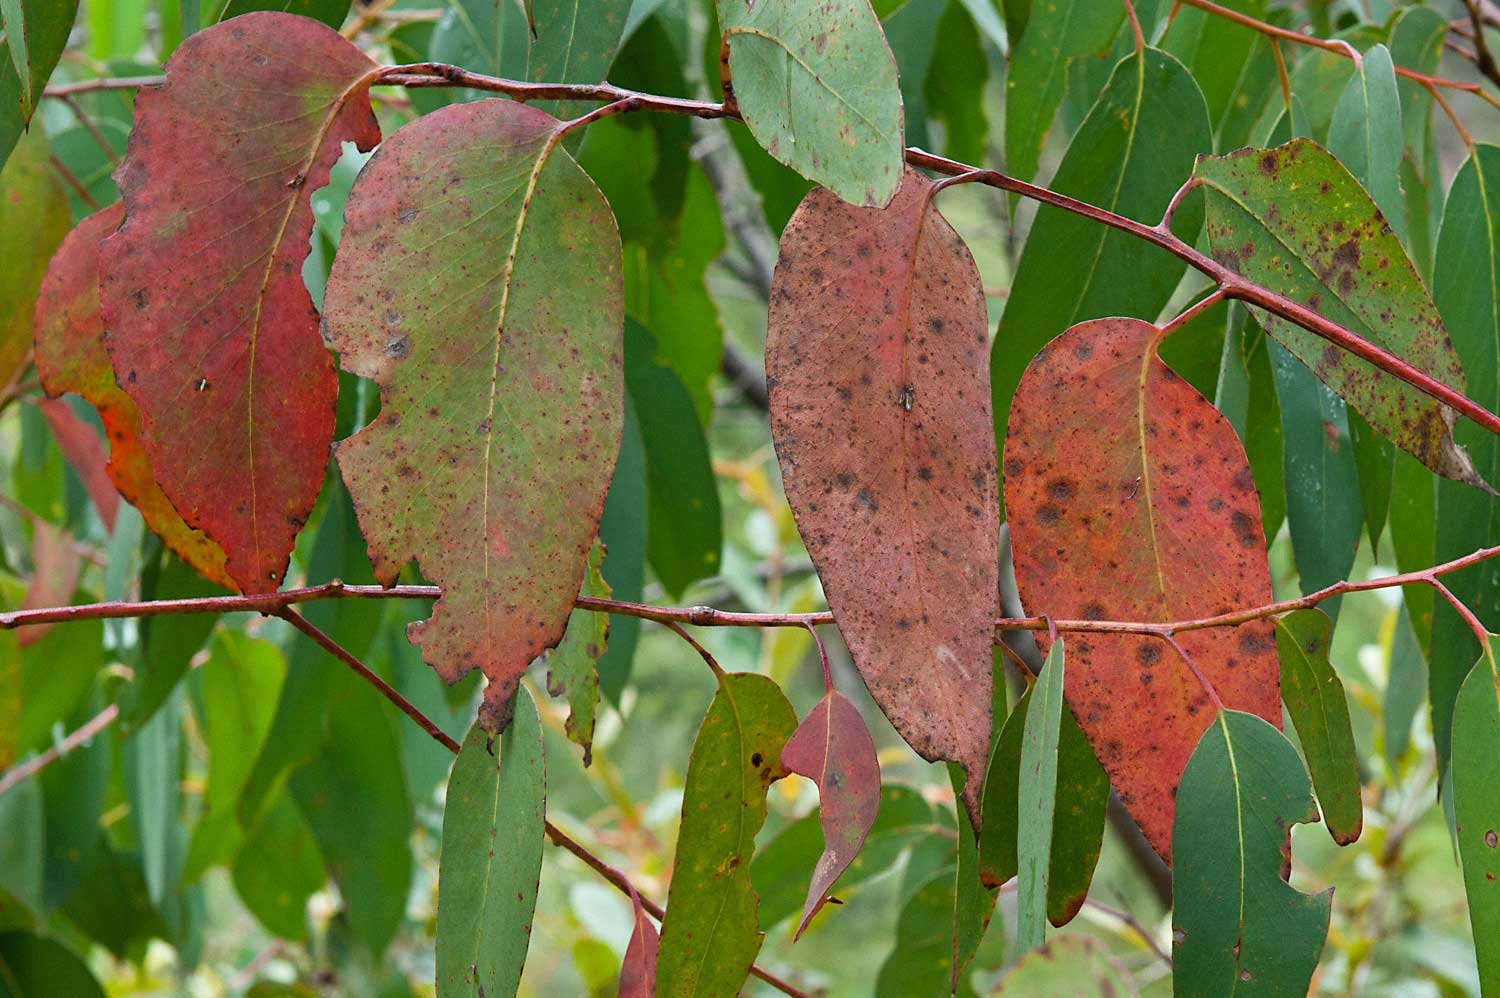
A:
(833, 748)
(85, 452)
(878, 366)
(478, 281)
(638, 972)
(211, 330)
(1130, 499)
(54, 577)
(71, 357)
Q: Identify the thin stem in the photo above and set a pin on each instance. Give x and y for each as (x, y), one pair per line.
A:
(73, 182)
(1458, 123)
(1483, 60)
(702, 651)
(103, 83)
(29, 768)
(1208, 687)
(438, 74)
(88, 125)
(1135, 27)
(1480, 631)
(1192, 312)
(822, 657)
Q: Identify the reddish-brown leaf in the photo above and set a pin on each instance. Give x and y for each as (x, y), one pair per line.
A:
(638, 972)
(833, 748)
(1130, 499)
(211, 331)
(876, 358)
(71, 357)
(85, 452)
(478, 281)
(55, 564)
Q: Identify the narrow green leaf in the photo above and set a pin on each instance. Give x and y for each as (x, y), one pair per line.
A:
(35, 32)
(1056, 31)
(74, 790)
(1466, 286)
(1216, 50)
(1078, 966)
(168, 643)
(818, 88)
(955, 87)
(1037, 800)
(911, 32)
(1130, 155)
(710, 935)
(23, 843)
(1331, 249)
(1314, 698)
(1405, 687)
(31, 965)
(623, 530)
(278, 869)
(113, 906)
(1078, 820)
(1417, 43)
(1237, 926)
(1366, 134)
(684, 537)
(572, 667)
(153, 770)
(1476, 806)
(493, 828)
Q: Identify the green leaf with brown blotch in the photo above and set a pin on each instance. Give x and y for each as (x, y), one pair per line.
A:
(1293, 220)
(1078, 820)
(1476, 805)
(71, 357)
(817, 85)
(1130, 498)
(1314, 698)
(572, 667)
(211, 330)
(493, 827)
(1238, 928)
(876, 365)
(478, 283)
(710, 935)
(833, 748)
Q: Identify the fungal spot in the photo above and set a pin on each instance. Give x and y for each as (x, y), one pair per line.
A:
(1491, 839)
(1147, 653)
(1048, 515)
(1061, 489)
(398, 348)
(1243, 527)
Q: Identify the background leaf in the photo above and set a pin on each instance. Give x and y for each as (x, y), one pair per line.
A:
(1037, 800)
(1314, 699)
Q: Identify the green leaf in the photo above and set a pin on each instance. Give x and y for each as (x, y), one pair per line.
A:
(710, 935)
(572, 667)
(74, 790)
(955, 87)
(623, 529)
(1417, 43)
(1333, 252)
(498, 501)
(56, 673)
(818, 88)
(1476, 806)
(153, 771)
(1078, 822)
(1314, 698)
(23, 843)
(1036, 801)
(34, 218)
(34, 967)
(1130, 155)
(1056, 31)
(683, 538)
(572, 41)
(1466, 286)
(1079, 966)
(112, 905)
(240, 684)
(330, 12)
(278, 869)
(1405, 687)
(911, 31)
(1237, 926)
(35, 33)
(168, 643)
(493, 828)
(1216, 50)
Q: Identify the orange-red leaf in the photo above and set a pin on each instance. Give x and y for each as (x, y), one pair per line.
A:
(211, 331)
(876, 358)
(1130, 498)
(84, 450)
(833, 748)
(638, 972)
(71, 357)
(478, 282)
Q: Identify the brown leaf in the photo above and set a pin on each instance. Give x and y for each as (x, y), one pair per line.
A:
(211, 330)
(833, 748)
(71, 357)
(878, 368)
(1130, 498)
(638, 972)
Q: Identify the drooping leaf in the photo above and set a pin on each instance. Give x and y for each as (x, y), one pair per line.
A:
(278, 869)
(35, 34)
(33, 221)
(492, 858)
(876, 368)
(710, 936)
(1079, 966)
(1217, 50)
(1130, 155)
(956, 82)
(623, 529)
(71, 357)
(211, 331)
(1476, 805)
(638, 971)
(1466, 286)
(818, 88)
(1130, 499)
(1314, 698)
(74, 790)
(572, 667)
(833, 748)
(1237, 926)
(1405, 687)
(1293, 220)
(153, 770)
(80, 444)
(1037, 800)
(911, 31)
(499, 361)
(1037, 74)
(1416, 43)
(1077, 825)
(35, 965)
